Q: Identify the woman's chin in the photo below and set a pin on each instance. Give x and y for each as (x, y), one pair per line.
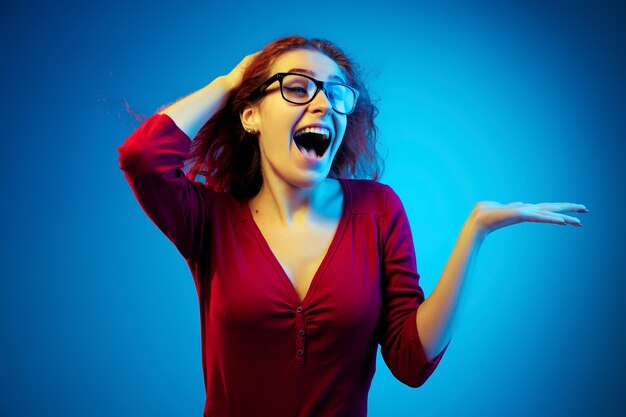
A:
(309, 182)
(309, 179)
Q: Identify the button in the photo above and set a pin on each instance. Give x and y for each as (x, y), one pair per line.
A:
(300, 352)
(301, 332)
(299, 309)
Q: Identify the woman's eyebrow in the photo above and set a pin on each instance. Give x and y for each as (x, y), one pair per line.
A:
(312, 74)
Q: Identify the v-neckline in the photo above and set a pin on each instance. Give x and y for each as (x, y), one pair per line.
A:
(332, 248)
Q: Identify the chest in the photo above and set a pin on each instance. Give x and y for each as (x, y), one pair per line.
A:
(300, 251)
(264, 281)
(325, 282)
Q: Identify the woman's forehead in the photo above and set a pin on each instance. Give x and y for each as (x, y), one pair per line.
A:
(313, 63)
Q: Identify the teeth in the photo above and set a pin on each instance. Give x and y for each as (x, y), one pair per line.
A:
(319, 130)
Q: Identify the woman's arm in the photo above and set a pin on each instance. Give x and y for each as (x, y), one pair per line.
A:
(435, 316)
(153, 157)
(193, 111)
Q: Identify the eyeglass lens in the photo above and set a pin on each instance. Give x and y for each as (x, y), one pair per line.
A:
(300, 90)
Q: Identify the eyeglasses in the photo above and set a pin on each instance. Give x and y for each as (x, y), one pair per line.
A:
(302, 89)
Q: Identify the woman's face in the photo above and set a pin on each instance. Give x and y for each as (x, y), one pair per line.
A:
(277, 121)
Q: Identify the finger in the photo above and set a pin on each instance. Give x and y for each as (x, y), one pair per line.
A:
(542, 216)
(574, 221)
(247, 60)
(563, 207)
(251, 56)
(565, 219)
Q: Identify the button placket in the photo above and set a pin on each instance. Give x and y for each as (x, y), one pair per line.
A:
(300, 335)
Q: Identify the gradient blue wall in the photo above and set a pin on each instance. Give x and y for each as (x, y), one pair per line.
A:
(525, 102)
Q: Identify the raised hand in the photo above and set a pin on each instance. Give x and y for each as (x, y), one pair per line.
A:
(192, 111)
(235, 76)
(491, 215)
(435, 316)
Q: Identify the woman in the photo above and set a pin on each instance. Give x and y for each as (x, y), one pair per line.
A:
(300, 271)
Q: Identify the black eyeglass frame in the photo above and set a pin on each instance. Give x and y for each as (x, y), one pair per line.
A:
(319, 85)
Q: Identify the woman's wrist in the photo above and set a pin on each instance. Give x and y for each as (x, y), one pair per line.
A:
(226, 83)
(475, 226)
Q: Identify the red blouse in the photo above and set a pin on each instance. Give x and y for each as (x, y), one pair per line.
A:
(265, 352)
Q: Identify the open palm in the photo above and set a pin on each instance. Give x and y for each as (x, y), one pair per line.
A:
(492, 215)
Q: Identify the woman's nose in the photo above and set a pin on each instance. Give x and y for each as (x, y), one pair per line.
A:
(321, 103)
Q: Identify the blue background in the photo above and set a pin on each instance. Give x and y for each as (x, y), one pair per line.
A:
(515, 102)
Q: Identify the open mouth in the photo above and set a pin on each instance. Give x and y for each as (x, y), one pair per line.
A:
(312, 142)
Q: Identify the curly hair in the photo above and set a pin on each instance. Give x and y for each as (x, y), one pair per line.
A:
(229, 158)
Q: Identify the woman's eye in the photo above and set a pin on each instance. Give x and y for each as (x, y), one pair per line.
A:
(297, 90)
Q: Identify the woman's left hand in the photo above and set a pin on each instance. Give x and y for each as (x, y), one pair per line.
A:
(491, 215)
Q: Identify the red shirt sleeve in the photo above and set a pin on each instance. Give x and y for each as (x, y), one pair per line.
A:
(152, 158)
(401, 347)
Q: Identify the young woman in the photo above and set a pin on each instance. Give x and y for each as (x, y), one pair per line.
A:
(301, 269)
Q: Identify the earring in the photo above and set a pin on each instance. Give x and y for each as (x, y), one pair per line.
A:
(249, 130)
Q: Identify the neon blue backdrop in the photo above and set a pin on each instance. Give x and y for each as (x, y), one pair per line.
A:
(515, 102)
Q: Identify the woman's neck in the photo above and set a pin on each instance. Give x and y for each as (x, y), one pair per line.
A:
(285, 205)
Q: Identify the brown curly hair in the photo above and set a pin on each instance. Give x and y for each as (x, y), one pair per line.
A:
(228, 157)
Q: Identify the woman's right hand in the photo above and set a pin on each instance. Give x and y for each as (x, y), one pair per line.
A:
(192, 111)
(234, 77)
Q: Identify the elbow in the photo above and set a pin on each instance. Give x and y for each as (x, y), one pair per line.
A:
(413, 380)
(409, 363)
(133, 158)
(136, 150)
(127, 157)
(411, 370)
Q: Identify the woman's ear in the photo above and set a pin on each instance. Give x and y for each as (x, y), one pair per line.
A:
(248, 118)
